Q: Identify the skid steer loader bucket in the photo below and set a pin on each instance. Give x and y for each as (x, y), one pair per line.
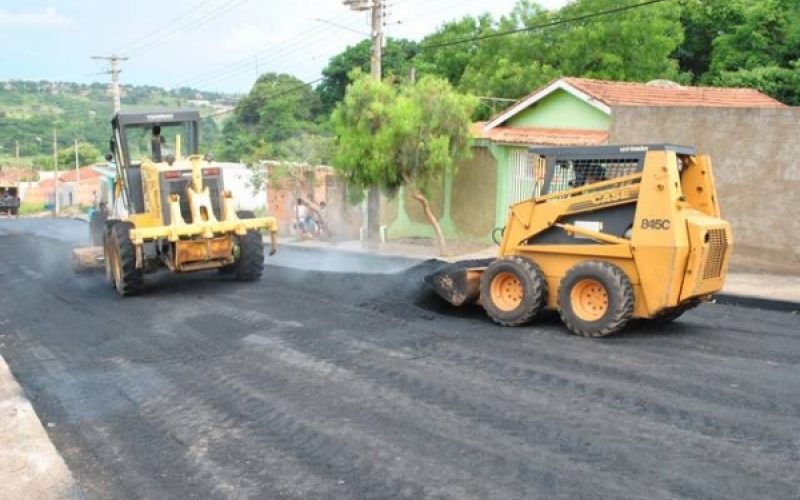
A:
(458, 283)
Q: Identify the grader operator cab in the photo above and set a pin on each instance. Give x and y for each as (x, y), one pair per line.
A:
(611, 233)
(170, 208)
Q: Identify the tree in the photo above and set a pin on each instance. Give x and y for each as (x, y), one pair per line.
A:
(445, 52)
(395, 61)
(768, 35)
(633, 45)
(277, 108)
(87, 155)
(402, 136)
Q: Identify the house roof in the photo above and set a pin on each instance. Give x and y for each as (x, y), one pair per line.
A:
(542, 136)
(603, 94)
(86, 174)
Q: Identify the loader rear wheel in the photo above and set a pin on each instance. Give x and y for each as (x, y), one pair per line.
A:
(249, 265)
(128, 279)
(595, 299)
(513, 291)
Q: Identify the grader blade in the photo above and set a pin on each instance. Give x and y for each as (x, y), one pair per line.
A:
(86, 259)
(457, 284)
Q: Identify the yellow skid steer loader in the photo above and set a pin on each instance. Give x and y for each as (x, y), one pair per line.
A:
(611, 233)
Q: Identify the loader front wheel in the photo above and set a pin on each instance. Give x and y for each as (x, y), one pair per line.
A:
(249, 265)
(513, 290)
(595, 299)
(128, 279)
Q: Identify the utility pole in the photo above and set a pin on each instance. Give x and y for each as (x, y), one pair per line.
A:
(77, 175)
(115, 71)
(373, 193)
(55, 164)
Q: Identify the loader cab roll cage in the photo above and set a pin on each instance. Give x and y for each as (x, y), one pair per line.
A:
(564, 168)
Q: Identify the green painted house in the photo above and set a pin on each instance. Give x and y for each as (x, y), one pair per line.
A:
(474, 200)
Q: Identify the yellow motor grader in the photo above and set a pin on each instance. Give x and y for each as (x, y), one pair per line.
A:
(611, 233)
(169, 210)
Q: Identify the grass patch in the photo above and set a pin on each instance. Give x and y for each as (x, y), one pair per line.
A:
(27, 208)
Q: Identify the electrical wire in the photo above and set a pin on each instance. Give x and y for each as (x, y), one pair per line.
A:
(307, 38)
(540, 26)
(207, 18)
(273, 96)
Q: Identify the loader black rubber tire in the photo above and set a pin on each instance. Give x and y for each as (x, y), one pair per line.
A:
(249, 265)
(128, 279)
(595, 299)
(513, 290)
(97, 222)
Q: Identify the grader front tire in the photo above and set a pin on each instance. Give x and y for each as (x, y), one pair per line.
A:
(595, 299)
(128, 279)
(513, 291)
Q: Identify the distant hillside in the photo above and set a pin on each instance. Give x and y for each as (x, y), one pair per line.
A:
(30, 110)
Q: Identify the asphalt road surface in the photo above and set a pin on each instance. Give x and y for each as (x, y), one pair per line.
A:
(362, 385)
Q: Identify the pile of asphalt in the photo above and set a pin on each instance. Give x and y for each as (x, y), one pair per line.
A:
(403, 293)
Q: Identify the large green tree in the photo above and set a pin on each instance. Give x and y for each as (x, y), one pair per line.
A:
(407, 135)
(277, 108)
(636, 45)
(396, 62)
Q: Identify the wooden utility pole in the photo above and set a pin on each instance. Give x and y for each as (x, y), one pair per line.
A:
(55, 165)
(373, 226)
(115, 71)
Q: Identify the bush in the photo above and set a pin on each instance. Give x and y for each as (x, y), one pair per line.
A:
(26, 208)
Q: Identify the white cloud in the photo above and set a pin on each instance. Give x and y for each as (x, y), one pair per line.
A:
(44, 20)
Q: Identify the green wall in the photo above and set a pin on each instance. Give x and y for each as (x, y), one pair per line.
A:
(562, 110)
(474, 200)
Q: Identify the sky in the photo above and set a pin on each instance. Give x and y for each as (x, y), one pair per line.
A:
(217, 45)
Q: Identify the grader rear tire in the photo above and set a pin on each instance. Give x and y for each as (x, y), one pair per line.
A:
(128, 279)
(249, 265)
(595, 299)
(513, 291)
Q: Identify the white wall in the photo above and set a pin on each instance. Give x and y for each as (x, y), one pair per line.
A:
(236, 177)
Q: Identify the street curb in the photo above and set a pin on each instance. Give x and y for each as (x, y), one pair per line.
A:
(30, 465)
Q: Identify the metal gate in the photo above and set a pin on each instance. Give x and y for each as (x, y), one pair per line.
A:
(521, 179)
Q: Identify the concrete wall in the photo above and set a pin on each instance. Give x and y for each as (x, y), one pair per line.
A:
(756, 158)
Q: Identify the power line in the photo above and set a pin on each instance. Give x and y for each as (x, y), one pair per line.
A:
(540, 26)
(273, 96)
(228, 6)
(309, 37)
(162, 27)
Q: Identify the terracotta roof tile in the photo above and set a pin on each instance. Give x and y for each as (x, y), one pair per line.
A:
(86, 173)
(629, 93)
(546, 136)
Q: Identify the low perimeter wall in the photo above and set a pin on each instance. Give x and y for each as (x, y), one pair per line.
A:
(756, 158)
